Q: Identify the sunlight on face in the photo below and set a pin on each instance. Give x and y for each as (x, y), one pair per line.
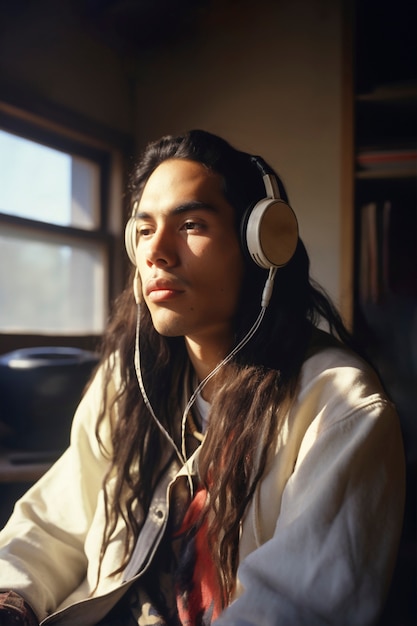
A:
(188, 252)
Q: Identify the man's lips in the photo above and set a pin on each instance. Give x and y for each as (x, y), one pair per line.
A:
(158, 290)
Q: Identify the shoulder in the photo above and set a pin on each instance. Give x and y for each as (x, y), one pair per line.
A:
(340, 398)
(333, 373)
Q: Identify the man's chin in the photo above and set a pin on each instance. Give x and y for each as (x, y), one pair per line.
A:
(169, 328)
(167, 333)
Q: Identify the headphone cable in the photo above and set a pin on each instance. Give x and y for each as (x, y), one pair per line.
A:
(182, 454)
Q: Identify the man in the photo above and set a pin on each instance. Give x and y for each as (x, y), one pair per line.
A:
(229, 462)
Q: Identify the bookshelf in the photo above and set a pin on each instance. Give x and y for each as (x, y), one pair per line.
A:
(385, 235)
(385, 197)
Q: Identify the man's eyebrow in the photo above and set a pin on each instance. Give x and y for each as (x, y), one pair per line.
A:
(193, 205)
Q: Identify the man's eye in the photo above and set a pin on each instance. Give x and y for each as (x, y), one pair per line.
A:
(143, 231)
(190, 225)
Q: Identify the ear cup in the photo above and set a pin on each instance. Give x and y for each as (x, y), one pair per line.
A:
(130, 239)
(270, 228)
(130, 243)
(137, 289)
(271, 233)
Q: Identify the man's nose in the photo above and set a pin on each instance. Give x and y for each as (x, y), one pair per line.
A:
(161, 250)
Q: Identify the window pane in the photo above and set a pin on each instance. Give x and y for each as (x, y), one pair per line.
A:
(41, 183)
(56, 286)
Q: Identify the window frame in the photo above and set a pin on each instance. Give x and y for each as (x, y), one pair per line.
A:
(66, 131)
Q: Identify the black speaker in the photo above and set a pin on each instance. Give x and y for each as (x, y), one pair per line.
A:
(40, 389)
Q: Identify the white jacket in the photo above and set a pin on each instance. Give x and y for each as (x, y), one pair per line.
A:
(319, 540)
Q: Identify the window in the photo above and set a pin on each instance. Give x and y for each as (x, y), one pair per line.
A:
(56, 237)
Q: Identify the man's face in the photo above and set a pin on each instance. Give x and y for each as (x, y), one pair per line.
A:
(188, 253)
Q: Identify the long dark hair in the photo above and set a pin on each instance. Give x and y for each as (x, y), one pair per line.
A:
(252, 392)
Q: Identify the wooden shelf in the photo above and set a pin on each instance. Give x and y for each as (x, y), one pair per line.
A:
(388, 173)
(390, 93)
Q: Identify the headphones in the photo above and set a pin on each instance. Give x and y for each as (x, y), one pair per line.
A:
(269, 230)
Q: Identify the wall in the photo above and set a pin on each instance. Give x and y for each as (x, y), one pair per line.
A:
(269, 79)
(46, 50)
